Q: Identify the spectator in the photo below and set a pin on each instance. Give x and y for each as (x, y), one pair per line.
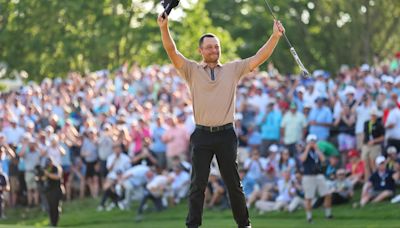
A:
(392, 126)
(320, 119)
(374, 134)
(158, 147)
(286, 162)
(362, 116)
(177, 140)
(313, 179)
(155, 189)
(380, 185)
(355, 168)
(78, 173)
(293, 127)
(346, 128)
(117, 161)
(89, 152)
(391, 157)
(4, 187)
(179, 184)
(285, 194)
(31, 157)
(255, 166)
(216, 191)
(133, 181)
(105, 148)
(270, 123)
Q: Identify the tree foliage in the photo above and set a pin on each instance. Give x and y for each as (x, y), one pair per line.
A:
(49, 38)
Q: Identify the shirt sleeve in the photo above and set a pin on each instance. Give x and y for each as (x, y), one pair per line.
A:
(186, 69)
(242, 67)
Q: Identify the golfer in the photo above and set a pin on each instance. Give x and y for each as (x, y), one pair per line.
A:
(213, 88)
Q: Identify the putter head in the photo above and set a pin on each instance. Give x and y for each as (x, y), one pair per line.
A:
(169, 5)
(305, 73)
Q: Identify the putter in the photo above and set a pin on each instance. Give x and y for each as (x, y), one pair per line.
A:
(168, 6)
(305, 72)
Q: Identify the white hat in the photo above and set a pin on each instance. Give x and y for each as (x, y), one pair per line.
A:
(54, 137)
(301, 89)
(387, 79)
(27, 135)
(364, 67)
(311, 137)
(375, 112)
(273, 148)
(379, 160)
(318, 73)
(391, 150)
(349, 90)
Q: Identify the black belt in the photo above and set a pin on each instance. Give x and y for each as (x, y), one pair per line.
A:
(215, 128)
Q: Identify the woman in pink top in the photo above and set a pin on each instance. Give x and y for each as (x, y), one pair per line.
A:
(176, 138)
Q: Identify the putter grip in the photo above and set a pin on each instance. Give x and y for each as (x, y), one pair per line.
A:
(298, 61)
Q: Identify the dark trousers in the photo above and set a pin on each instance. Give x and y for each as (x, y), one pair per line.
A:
(110, 193)
(156, 200)
(222, 144)
(53, 198)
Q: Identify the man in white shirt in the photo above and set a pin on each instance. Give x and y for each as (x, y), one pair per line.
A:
(155, 188)
(293, 126)
(117, 161)
(179, 184)
(133, 181)
(13, 132)
(392, 126)
(363, 115)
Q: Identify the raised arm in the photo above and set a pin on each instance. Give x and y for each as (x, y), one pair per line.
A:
(266, 50)
(169, 45)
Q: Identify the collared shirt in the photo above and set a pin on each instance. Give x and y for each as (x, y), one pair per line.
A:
(270, 128)
(320, 115)
(293, 123)
(213, 100)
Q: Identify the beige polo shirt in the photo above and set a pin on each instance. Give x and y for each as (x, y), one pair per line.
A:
(213, 101)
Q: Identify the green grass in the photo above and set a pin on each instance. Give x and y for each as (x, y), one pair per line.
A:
(84, 214)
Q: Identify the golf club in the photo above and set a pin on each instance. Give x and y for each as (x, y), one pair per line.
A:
(292, 50)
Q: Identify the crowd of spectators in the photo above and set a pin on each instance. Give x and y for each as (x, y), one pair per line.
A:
(125, 136)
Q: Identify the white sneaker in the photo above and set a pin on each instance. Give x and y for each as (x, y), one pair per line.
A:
(396, 199)
(100, 208)
(110, 207)
(121, 206)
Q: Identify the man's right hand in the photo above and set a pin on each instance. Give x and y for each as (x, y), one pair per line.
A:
(162, 22)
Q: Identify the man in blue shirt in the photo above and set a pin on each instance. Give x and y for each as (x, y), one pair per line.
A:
(320, 119)
(270, 123)
(157, 146)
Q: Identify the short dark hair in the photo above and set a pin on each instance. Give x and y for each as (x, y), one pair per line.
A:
(209, 35)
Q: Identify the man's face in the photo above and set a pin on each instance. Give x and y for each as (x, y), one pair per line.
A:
(210, 49)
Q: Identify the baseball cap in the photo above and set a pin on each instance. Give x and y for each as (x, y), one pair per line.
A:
(301, 89)
(364, 67)
(273, 148)
(349, 90)
(391, 150)
(318, 73)
(353, 153)
(311, 137)
(375, 112)
(379, 160)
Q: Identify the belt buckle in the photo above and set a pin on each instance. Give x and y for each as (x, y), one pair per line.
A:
(211, 129)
